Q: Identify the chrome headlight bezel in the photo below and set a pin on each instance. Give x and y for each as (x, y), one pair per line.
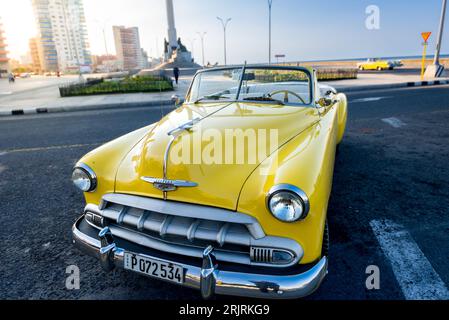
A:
(89, 173)
(294, 191)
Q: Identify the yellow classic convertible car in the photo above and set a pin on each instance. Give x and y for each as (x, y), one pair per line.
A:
(228, 193)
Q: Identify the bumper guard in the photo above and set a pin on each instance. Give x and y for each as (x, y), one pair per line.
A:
(209, 279)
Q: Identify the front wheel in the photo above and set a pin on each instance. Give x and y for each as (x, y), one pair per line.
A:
(379, 68)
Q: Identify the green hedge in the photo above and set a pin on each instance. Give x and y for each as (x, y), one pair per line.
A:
(127, 85)
(336, 74)
(322, 75)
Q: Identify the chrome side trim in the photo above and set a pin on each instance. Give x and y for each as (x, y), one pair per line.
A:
(223, 282)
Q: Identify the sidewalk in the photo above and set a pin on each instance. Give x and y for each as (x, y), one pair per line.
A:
(47, 99)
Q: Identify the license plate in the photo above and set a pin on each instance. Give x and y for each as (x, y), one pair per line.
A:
(154, 268)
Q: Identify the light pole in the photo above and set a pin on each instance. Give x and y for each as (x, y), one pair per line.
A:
(202, 35)
(270, 2)
(192, 47)
(440, 33)
(435, 70)
(224, 24)
(103, 26)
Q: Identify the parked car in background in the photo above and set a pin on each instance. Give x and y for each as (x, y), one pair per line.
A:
(396, 63)
(375, 64)
(25, 75)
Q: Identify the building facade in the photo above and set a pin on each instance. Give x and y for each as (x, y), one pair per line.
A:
(35, 59)
(4, 61)
(127, 47)
(62, 36)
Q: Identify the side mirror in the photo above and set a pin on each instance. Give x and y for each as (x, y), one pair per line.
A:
(176, 99)
(325, 102)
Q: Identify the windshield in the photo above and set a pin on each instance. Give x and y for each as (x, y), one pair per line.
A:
(215, 85)
(280, 85)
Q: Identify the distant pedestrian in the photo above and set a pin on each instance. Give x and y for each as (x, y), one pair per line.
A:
(176, 74)
(11, 77)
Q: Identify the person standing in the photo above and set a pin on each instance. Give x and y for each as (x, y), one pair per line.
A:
(176, 74)
(11, 77)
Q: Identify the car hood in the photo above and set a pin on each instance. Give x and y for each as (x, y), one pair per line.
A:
(203, 160)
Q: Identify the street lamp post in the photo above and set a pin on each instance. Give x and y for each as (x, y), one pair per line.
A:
(224, 24)
(192, 47)
(103, 26)
(435, 70)
(105, 42)
(270, 2)
(102, 23)
(202, 35)
(440, 33)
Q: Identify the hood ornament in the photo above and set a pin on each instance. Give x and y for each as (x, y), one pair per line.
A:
(167, 185)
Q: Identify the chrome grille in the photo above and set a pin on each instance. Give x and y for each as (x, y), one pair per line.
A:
(187, 229)
(264, 255)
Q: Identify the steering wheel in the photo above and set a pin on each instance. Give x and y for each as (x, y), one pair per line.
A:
(286, 93)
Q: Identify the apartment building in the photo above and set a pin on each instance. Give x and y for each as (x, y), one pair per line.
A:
(34, 52)
(62, 43)
(4, 61)
(127, 47)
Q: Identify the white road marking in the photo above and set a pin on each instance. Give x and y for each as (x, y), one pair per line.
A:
(5, 92)
(416, 276)
(2, 168)
(48, 148)
(369, 99)
(394, 122)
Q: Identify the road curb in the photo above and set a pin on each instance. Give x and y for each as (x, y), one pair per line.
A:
(122, 105)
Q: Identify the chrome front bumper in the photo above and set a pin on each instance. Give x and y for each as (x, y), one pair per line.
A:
(208, 278)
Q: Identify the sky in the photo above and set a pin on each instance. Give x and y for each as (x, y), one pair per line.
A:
(301, 29)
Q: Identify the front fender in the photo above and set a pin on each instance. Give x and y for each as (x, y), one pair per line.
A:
(306, 161)
(105, 160)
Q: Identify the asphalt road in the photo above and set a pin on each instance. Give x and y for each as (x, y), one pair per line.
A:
(391, 182)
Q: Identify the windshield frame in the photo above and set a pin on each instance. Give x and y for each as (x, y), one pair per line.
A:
(249, 67)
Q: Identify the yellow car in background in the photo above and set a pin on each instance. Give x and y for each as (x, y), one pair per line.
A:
(375, 64)
(228, 193)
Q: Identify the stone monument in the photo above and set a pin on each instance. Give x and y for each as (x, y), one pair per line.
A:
(175, 53)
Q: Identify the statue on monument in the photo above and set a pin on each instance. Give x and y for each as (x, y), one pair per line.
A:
(175, 52)
(181, 47)
(165, 46)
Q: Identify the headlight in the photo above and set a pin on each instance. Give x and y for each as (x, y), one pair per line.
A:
(84, 178)
(288, 203)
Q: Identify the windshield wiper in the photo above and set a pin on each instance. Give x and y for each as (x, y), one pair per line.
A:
(212, 97)
(264, 98)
